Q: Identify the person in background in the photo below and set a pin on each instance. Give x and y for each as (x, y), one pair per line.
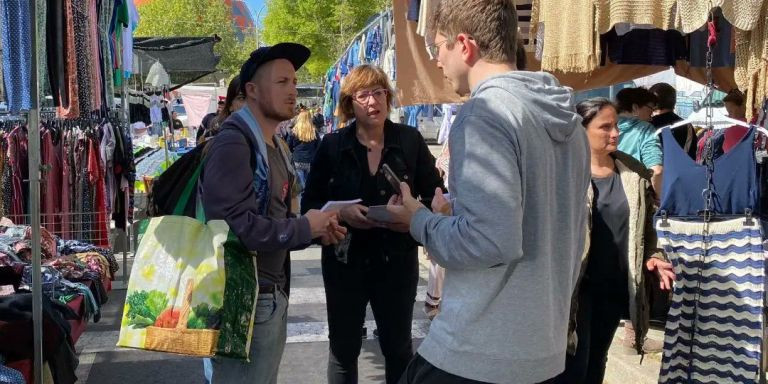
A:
(737, 109)
(685, 135)
(637, 136)
(177, 124)
(208, 119)
(303, 143)
(318, 120)
(512, 240)
(247, 182)
(232, 103)
(378, 263)
(618, 249)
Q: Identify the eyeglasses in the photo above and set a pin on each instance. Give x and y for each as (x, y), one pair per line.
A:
(378, 94)
(651, 106)
(434, 48)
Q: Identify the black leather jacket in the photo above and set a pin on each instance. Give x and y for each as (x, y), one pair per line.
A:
(338, 173)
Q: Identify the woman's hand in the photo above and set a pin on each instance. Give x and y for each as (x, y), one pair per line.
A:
(663, 270)
(354, 215)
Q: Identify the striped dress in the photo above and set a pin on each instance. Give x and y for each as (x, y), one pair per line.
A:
(714, 329)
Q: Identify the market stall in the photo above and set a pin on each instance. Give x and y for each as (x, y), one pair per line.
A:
(56, 261)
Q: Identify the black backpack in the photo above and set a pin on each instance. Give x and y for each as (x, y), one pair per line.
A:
(169, 186)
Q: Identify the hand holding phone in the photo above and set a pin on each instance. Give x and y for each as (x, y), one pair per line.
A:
(391, 178)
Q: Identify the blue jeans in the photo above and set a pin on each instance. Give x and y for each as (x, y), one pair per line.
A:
(267, 345)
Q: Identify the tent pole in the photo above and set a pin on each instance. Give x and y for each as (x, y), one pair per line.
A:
(33, 128)
(127, 124)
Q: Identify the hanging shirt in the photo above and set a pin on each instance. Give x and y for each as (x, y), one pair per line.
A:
(734, 180)
(133, 22)
(15, 16)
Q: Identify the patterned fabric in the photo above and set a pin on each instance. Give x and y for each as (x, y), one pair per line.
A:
(71, 110)
(10, 376)
(105, 17)
(44, 85)
(83, 54)
(15, 30)
(69, 247)
(714, 328)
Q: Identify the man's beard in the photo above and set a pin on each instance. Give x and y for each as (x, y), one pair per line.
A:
(273, 114)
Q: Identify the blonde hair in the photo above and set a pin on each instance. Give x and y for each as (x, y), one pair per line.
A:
(304, 129)
(362, 76)
(491, 23)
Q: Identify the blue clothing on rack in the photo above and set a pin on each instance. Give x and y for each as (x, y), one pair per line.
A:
(413, 10)
(15, 31)
(722, 56)
(734, 180)
(412, 113)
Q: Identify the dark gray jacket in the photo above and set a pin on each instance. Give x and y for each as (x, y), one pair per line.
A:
(228, 191)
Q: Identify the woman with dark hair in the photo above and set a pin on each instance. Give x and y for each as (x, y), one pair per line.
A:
(377, 263)
(234, 101)
(621, 241)
(637, 136)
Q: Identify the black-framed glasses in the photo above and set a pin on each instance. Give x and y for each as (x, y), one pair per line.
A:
(363, 96)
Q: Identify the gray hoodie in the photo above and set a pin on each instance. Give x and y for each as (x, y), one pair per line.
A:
(519, 172)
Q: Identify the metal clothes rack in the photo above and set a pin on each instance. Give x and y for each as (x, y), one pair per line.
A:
(33, 119)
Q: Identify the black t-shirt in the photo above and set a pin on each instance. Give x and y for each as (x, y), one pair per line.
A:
(684, 135)
(608, 264)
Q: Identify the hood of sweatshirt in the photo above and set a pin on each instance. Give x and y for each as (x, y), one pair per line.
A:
(550, 101)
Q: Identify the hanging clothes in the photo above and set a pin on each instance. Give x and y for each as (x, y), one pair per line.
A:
(645, 47)
(723, 54)
(94, 49)
(571, 46)
(71, 108)
(15, 32)
(105, 18)
(55, 51)
(715, 325)
(734, 180)
(83, 56)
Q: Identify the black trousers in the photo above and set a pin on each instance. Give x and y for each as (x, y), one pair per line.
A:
(420, 371)
(391, 290)
(597, 318)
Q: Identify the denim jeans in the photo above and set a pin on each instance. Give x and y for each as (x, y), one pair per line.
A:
(267, 345)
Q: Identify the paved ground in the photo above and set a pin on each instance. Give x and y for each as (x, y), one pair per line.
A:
(305, 355)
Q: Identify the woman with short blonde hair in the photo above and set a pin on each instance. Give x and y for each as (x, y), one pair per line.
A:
(378, 263)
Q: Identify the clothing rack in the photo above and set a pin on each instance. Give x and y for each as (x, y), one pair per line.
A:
(387, 13)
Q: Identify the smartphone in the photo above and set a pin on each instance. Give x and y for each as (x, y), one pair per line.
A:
(391, 178)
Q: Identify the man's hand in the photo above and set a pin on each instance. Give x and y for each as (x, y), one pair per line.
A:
(336, 233)
(354, 215)
(664, 270)
(441, 205)
(402, 207)
(319, 222)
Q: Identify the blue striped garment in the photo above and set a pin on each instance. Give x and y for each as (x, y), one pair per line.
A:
(714, 330)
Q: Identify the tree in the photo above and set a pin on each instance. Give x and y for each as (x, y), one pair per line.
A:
(198, 18)
(325, 27)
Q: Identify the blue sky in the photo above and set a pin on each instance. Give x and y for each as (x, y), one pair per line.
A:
(255, 6)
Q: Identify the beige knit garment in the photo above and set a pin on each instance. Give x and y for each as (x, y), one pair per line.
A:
(571, 42)
(742, 14)
(659, 13)
(752, 59)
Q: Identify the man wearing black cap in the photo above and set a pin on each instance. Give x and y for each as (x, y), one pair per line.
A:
(247, 181)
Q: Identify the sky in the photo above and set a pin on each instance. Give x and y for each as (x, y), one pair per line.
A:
(255, 6)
